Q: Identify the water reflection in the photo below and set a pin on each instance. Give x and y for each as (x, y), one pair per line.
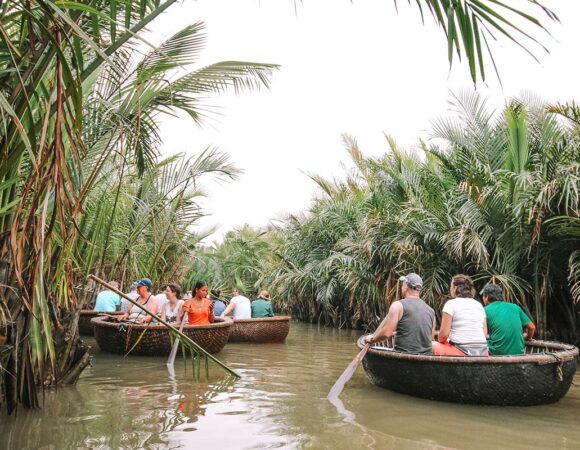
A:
(280, 402)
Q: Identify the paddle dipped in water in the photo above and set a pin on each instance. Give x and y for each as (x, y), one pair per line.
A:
(173, 353)
(348, 373)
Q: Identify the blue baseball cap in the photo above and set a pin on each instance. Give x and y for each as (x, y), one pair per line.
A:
(144, 282)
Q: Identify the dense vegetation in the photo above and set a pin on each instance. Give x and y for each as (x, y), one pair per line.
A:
(82, 188)
(496, 199)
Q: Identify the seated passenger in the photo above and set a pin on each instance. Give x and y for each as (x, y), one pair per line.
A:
(240, 306)
(261, 307)
(218, 305)
(507, 323)
(463, 326)
(411, 318)
(107, 300)
(126, 304)
(199, 309)
(170, 309)
(146, 299)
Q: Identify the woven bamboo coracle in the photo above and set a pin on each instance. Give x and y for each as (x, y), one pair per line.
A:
(85, 316)
(119, 338)
(543, 375)
(264, 330)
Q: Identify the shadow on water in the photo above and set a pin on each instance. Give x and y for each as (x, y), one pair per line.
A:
(280, 402)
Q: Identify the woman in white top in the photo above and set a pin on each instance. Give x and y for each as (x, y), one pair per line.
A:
(170, 309)
(463, 325)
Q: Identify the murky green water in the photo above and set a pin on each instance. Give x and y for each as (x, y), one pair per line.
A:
(280, 402)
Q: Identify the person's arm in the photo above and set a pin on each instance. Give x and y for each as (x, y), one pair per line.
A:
(446, 321)
(485, 333)
(384, 322)
(211, 316)
(125, 315)
(530, 329)
(527, 325)
(163, 315)
(387, 328)
(179, 312)
(228, 309)
(185, 306)
(433, 329)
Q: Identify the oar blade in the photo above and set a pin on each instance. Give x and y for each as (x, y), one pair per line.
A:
(173, 353)
(347, 374)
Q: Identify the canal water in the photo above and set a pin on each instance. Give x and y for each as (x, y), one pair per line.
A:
(280, 402)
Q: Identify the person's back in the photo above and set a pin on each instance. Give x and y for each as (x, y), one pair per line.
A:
(261, 308)
(415, 328)
(161, 300)
(242, 307)
(107, 301)
(218, 306)
(505, 322)
(468, 320)
(126, 304)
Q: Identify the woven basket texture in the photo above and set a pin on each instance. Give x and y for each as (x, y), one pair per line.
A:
(85, 316)
(542, 376)
(155, 340)
(265, 330)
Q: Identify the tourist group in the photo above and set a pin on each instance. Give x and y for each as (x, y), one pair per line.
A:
(468, 328)
(196, 307)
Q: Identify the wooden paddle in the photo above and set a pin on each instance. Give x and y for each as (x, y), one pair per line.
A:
(351, 369)
(347, 374)
(173, 353)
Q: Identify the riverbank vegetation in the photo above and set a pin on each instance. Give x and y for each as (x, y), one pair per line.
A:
(81, 187)
(495, 196)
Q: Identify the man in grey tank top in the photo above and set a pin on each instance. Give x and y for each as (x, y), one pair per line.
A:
(411, 318)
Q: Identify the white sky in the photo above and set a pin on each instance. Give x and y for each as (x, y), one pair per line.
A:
(347, 67)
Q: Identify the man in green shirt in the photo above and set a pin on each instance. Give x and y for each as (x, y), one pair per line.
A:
(261, 307)
(507, 324)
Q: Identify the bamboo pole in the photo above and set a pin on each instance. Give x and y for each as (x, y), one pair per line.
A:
(160, 320)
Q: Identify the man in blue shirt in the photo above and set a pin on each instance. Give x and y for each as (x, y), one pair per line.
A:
(218, 305)
(108, 301)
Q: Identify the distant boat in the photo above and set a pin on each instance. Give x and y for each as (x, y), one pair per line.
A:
(155, 340)
(85, 316)
(262, 330)
(543, 375)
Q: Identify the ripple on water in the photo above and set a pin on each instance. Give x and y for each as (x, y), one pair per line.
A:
(280, 402)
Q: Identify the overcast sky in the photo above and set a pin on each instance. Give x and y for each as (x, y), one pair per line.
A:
(346, 67)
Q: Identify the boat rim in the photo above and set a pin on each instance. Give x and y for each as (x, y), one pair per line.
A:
(264, 319)
(560, 352)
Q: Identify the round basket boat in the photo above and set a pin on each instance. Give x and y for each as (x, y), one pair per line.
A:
(85, 317)
(155, 340)
(264, 330)
(543, 375)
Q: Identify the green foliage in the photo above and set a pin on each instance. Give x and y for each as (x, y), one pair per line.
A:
(81, 187)
(470, 26)
(498, 201)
